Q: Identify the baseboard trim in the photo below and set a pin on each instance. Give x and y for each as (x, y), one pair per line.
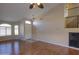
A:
(65, 46)
(61, 45)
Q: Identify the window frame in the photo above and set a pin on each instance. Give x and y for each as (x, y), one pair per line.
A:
(6, 34)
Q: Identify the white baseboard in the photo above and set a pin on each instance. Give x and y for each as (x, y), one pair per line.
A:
(66, 46)
(61, 45)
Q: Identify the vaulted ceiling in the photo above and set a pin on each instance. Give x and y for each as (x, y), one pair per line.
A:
(13, 12)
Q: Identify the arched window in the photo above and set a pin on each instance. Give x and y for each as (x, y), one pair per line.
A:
(5, 29)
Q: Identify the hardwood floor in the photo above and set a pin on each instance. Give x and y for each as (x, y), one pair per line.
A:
(19, 47)
(50, 49)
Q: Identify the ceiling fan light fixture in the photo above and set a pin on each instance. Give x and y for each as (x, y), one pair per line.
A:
(33, 5)
(38, 3)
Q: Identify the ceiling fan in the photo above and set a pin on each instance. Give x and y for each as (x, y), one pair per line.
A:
(33, 5)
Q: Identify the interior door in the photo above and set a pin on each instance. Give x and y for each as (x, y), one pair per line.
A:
(28, 30)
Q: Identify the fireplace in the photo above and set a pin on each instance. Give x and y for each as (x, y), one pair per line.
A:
(74, 39)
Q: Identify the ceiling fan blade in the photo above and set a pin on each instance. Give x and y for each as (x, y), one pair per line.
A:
(31, 6)
(41, 6)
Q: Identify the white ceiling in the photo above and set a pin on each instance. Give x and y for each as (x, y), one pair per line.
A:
(17, 11)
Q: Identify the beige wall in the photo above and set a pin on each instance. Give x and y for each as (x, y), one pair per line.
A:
(21, 28)
(51, 27)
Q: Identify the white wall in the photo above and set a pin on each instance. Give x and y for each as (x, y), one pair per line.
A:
(21, 28)
(51, 27)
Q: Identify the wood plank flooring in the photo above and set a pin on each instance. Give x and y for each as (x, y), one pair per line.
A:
(19, 47)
